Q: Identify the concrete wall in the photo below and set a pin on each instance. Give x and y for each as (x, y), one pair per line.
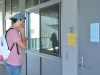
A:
(22, 10)
(69, 53)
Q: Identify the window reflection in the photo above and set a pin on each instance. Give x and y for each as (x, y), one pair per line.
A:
(49, 30)
(34, 30)
(54, 41)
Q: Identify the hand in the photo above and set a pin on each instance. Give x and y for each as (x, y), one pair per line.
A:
(18, 29)
(21, 29)
(27, 38)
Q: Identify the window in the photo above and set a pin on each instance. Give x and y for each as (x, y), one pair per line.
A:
(12, 7)
(44, 29)
(1, 27)
(42, 1)
(49, 37)
(31, 3)
(8, 23)
(8, 7)
(34, 30)
(15, 6)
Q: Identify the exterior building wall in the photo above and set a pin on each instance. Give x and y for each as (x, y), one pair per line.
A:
(68, 53)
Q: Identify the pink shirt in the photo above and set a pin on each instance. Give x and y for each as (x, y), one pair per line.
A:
(13, 37)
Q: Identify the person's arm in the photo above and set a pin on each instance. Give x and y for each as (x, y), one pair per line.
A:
(22, 42)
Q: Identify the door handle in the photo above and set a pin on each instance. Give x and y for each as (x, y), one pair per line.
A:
(81, 62)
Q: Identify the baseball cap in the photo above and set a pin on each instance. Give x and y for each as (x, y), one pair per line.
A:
(18, 16)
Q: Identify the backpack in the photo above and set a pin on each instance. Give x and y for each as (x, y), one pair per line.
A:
(4, 49)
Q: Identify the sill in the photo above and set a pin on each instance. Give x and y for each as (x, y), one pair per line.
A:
(47, 56)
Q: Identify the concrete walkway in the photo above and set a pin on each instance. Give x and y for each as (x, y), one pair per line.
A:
(3, 69)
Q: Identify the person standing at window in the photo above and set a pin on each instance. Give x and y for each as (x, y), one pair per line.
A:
(17, 36)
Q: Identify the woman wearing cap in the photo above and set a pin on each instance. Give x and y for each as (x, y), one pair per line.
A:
(17, 36)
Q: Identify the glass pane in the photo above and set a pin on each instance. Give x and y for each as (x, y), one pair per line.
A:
(33, 25)
(42, 1)
(15, 6)
(49, 30)
(8, 23)
(31, 3)
(8, 7)
(1, 26)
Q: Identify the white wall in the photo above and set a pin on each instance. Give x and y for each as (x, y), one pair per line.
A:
(69, 19)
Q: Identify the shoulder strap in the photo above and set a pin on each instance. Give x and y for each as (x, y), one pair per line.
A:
(9, 29)
(6, 38)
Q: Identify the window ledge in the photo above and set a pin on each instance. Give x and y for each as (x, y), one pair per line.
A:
(51, 57)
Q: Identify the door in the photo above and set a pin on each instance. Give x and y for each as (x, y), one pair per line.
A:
(89, 52)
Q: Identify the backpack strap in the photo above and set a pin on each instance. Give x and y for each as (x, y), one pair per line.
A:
(6, 38)
(17, 49)
(13, 43)
(11, 46)
(9, 29)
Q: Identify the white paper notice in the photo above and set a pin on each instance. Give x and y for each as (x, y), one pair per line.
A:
(94, 32)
